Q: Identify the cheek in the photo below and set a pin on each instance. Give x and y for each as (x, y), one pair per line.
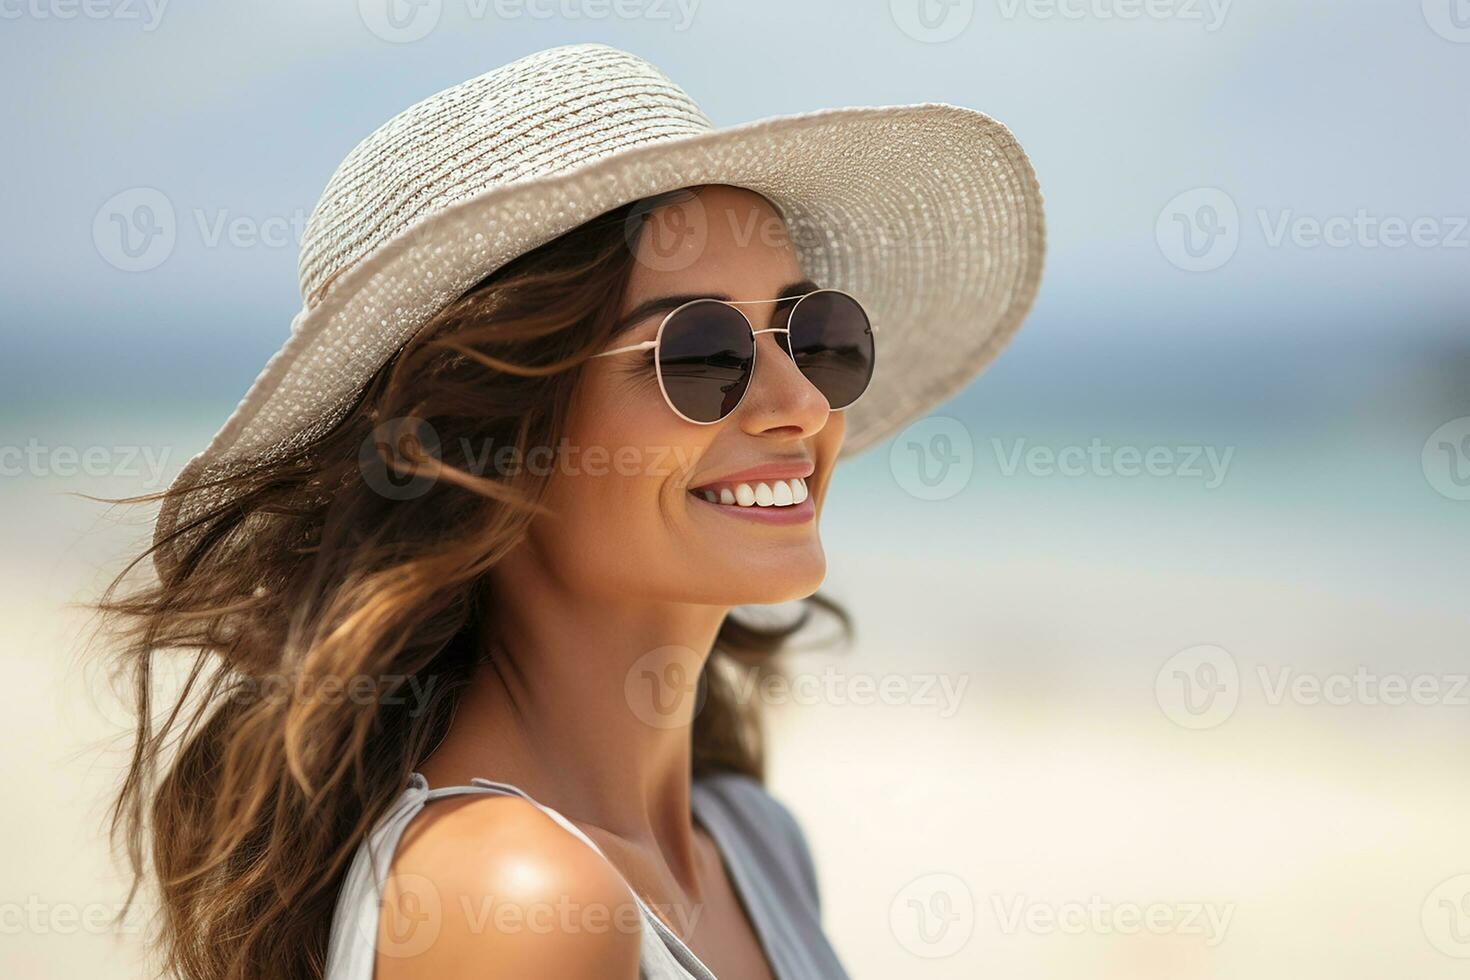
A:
(826, 447)
(624, 460)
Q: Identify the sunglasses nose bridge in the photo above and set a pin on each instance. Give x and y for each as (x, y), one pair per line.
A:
(781, 336)
(743, 315)
(776, 314)
(769, 378)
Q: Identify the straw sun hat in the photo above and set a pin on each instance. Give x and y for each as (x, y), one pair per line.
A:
(930, 214)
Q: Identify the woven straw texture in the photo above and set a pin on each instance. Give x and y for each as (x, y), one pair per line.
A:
(930, 214)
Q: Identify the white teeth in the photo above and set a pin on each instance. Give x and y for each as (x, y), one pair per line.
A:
(776, 493)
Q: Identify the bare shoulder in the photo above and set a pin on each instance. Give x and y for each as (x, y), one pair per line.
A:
(489, 886)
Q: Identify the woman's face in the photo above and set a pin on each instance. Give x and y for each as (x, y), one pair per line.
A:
(630, 499)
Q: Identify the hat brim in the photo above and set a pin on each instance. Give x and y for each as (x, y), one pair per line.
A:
(930, 214)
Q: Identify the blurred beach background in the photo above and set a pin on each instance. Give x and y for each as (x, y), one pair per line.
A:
(1162, 641)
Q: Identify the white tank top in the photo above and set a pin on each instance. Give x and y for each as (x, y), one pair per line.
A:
(762, 846)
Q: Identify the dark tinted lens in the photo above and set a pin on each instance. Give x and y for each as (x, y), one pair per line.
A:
(832, 343)
(704, 359)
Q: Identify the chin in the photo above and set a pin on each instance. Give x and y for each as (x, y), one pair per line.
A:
(784, 578)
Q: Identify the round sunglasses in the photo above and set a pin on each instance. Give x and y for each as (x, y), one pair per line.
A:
(704, 352)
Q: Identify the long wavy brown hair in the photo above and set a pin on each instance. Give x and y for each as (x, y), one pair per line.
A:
(249, 789)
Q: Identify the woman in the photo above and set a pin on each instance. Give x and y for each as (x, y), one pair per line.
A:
(462, 570)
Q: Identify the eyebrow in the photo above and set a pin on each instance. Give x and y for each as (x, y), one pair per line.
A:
(661, 304)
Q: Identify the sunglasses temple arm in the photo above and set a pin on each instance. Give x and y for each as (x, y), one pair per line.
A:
(653, 343)
(623, 350)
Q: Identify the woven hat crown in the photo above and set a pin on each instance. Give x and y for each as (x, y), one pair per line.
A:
(542, 115)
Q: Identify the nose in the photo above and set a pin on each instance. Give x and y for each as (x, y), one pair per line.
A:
(780, 402)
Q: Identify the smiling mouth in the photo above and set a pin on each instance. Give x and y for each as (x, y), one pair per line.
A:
(755, 494)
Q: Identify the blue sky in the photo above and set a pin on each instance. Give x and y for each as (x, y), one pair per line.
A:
(1297, 110)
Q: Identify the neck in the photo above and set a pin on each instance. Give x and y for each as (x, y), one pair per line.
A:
(586, 702)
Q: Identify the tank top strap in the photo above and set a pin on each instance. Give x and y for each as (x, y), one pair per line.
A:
(508, 789)
(664, 954)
